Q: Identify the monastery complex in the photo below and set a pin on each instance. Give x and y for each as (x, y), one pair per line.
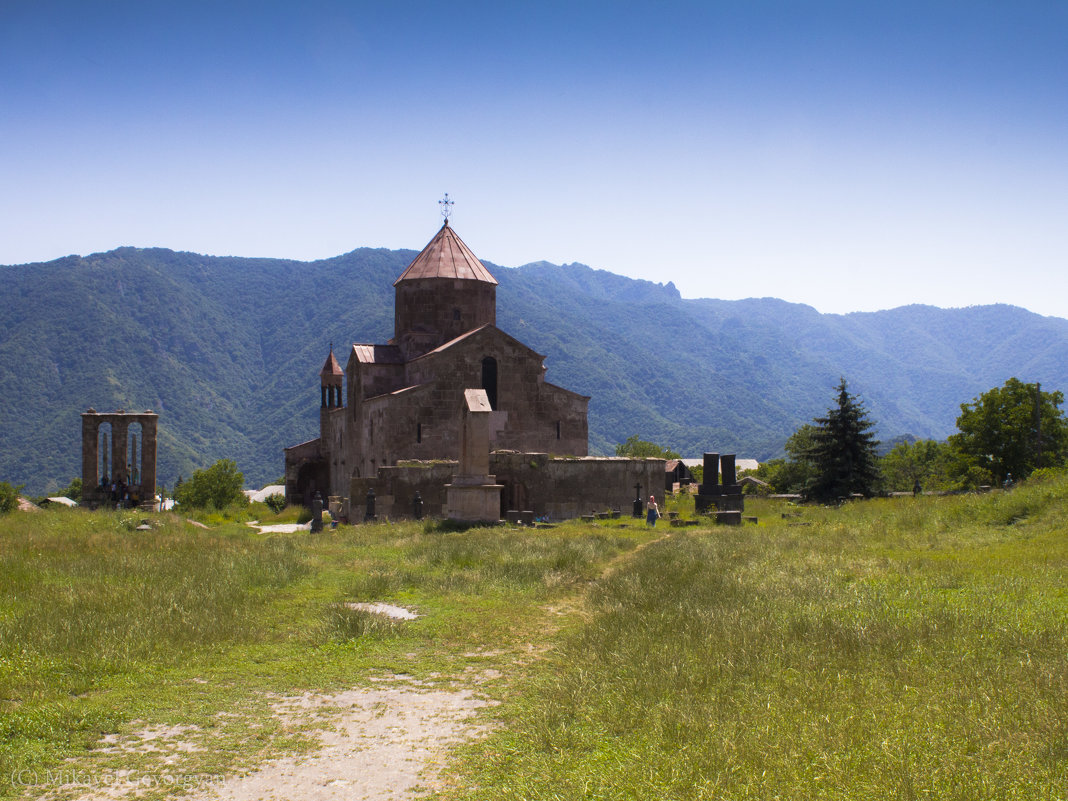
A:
(392, 420)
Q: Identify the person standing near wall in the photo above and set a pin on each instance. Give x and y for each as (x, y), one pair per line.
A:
(652, 512)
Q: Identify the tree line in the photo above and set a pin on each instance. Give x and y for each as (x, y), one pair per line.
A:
(1003, 435)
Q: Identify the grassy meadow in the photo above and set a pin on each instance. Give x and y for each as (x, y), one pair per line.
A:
(895, 648)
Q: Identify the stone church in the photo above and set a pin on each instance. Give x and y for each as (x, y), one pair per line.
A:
(401, 401)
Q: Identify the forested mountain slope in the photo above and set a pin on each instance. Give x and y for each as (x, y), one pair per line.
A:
(228, 350)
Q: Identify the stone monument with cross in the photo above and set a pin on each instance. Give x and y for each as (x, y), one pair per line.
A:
(474, 496)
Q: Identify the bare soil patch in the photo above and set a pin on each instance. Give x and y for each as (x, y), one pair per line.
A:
(377, 743)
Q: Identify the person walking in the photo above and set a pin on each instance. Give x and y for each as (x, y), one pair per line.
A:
(652, 512)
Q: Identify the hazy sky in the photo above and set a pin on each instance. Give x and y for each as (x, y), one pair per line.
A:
(849, 155)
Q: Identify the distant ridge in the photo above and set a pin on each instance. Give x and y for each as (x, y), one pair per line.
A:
(227, 350)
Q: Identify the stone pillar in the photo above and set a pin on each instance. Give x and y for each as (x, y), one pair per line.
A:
(149, 428)
(709, 489)
(119, 429)
(730, 476)
(711, 478)
(90, 451)
(474, 447)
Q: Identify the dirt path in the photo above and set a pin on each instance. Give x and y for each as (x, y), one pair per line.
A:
(381, 744)
(378, 743)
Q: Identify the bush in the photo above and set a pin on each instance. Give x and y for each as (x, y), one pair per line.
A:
(9, 498)
(1044, 474)
(276, 503)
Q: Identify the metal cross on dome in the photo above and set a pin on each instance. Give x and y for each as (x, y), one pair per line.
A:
(446, 207)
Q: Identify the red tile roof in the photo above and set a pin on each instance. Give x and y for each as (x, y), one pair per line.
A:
(446, 256)
(331, 367)
(378, 354)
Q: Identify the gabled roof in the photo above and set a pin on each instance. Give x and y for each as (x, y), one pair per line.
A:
(378, 354)
(446, 256)
(484, 328)
(331, 367)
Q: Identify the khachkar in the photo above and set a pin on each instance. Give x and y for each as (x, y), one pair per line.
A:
(474, 496)
(724, 498)
(123, 471)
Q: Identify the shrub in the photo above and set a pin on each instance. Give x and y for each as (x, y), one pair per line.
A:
(9, 498)
(276, 503)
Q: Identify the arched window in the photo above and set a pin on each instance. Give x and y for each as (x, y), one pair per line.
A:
(489, 380)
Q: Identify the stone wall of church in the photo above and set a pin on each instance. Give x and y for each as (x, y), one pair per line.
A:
(432, 312)
(413, 423)
(371, 380)
(527, 410)
(332, 447)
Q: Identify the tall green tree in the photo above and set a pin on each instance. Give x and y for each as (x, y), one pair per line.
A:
(216, 487)
(842, 453)
(1013, 429)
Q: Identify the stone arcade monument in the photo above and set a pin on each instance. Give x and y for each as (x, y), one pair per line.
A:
(118, 457)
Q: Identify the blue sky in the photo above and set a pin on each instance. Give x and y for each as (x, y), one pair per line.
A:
(848, 155)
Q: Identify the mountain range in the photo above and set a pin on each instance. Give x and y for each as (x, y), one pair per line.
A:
(227, 350)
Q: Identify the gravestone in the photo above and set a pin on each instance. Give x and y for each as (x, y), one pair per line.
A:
(317, 513)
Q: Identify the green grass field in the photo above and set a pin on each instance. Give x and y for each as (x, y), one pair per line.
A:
(903, 648)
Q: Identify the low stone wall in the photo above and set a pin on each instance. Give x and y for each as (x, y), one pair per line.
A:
(553, 488)
(564, 488)
(395, 489)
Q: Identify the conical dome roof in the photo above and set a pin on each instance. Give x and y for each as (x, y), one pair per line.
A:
(446, 256)
(332, 367)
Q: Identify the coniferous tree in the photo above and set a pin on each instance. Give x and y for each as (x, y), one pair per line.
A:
(842, 453)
